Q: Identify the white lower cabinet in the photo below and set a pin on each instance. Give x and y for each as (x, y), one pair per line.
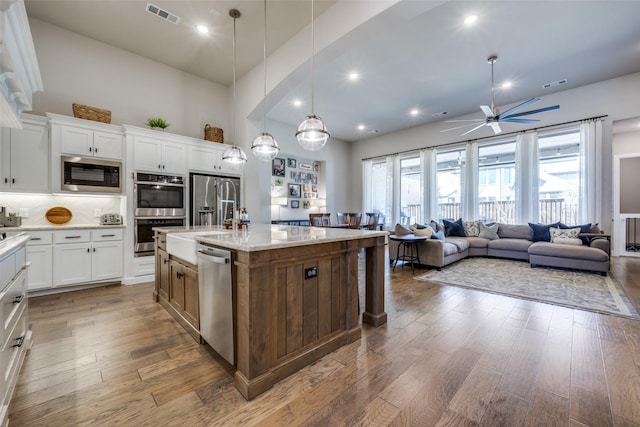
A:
(76, 257)
(40, 255)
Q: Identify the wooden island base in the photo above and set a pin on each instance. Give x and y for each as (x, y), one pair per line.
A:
(296, 304)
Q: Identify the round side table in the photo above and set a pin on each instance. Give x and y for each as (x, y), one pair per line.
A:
(410, 250)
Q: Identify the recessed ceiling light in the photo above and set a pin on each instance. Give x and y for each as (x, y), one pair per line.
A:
(297, 102)
(414, 112)
(506, 85)
(354, 76)
(202, 29)
(361, 127)
(470, 19)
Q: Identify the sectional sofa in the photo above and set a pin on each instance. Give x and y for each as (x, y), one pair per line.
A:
(510, 241)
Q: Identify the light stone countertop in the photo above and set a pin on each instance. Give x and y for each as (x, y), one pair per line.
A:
(56, 227)
(12, 242)
(261, 237)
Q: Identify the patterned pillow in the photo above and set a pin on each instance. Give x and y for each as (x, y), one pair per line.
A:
(436, 226)
(563, 233)
(471, 228)
(567, 241)
(489, 231)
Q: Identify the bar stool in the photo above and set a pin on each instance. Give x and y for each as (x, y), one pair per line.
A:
(408, 243)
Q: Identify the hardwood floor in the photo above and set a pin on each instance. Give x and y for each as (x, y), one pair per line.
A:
(447, 357)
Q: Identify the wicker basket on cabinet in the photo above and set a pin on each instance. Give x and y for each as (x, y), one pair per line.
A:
(213, 134)
(91, 113)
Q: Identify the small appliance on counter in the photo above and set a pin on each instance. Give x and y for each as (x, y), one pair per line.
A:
(12, 220)
(111, 219)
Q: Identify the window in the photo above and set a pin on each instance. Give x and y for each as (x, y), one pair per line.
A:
(380, 186)
(449, 178)
(496, 182)
(559, 177)
(410, 194)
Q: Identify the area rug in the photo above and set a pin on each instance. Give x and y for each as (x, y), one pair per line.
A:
(575, 289)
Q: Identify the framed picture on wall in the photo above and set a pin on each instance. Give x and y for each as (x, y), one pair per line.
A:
(295, 204)
(292, 163)
(306, 166)
(294, 191)
(277, 167)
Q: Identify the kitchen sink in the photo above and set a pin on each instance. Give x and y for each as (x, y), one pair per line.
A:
(183, 245)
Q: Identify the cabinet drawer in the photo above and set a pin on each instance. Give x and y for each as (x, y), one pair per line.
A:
(12, 349)
(13, 300)
(72, 236)
(107, 234)
(40, 238)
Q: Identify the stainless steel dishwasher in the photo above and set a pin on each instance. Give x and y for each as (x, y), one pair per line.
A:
(216, 299)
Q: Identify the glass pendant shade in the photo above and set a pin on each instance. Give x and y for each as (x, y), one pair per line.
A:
(265, 147)
(312, 133)
(234, 156)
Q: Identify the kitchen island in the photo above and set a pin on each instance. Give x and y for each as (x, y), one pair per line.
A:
(295, 294)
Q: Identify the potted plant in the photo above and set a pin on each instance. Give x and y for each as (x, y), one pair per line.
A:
(157, 123)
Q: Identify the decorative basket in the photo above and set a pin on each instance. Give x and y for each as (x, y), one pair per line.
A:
(213, 134)
(91, 113)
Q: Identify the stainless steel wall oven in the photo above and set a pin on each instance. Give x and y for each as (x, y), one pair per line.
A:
(159, 202)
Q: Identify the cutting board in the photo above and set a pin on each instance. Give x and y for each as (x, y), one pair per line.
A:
(58, 215)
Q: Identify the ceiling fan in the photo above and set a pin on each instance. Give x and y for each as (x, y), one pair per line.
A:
(494, 118)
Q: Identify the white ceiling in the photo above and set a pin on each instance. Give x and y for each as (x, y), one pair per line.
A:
(429, 60)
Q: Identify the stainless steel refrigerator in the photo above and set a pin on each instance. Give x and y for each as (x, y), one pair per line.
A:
(213, 199)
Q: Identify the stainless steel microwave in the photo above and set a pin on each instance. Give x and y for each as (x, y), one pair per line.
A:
(88, 174)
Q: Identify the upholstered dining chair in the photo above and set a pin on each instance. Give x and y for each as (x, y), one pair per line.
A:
(355, 219)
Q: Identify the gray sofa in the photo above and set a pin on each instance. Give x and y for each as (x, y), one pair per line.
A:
(514, 243)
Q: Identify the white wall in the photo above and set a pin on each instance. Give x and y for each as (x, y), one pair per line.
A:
(78, 69)
(616, 98)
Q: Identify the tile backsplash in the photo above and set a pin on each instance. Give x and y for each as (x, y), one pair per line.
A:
(83, 207)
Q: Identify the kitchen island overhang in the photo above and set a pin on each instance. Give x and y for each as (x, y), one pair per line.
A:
(296, 295)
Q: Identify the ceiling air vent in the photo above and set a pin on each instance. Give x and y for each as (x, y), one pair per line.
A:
(161, 13)
(553, 84)
(440, 114)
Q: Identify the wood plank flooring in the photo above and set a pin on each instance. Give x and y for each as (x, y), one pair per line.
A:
(448, 357)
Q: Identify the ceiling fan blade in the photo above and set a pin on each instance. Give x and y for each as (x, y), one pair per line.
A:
(487, 111)
(526, 113)
(519, 107)
(522, 121)
(460, 127)
(477, 127)
(496, 127)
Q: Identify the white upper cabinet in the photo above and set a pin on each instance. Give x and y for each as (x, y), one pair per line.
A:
(88, 142)
(207, 157)
(19, 70)
(24, 156)
(157, 155)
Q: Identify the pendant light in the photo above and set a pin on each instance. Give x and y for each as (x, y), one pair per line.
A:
(234, 155)
(312, 133)
(264, 145)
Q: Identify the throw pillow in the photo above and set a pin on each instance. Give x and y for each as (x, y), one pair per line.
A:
(436, 226)
(471, 228)
(419, 226)
(427, 231)
(563, 233)
(585, 228)
(514, 231)
(454, 228)
(541, 232)
(489, 231)
(401, 230)
(595, 229)
(438, 235)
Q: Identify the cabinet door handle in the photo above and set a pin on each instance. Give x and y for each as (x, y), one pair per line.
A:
(20, 342)
(95, 150)
(13, 180)
(108, 235)
(162, 166)
(18, 299)
(90, 149)
(94, 249)
(179, 275)
(166, 260)
(6, 180)
(36, 238)
(72, 237)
